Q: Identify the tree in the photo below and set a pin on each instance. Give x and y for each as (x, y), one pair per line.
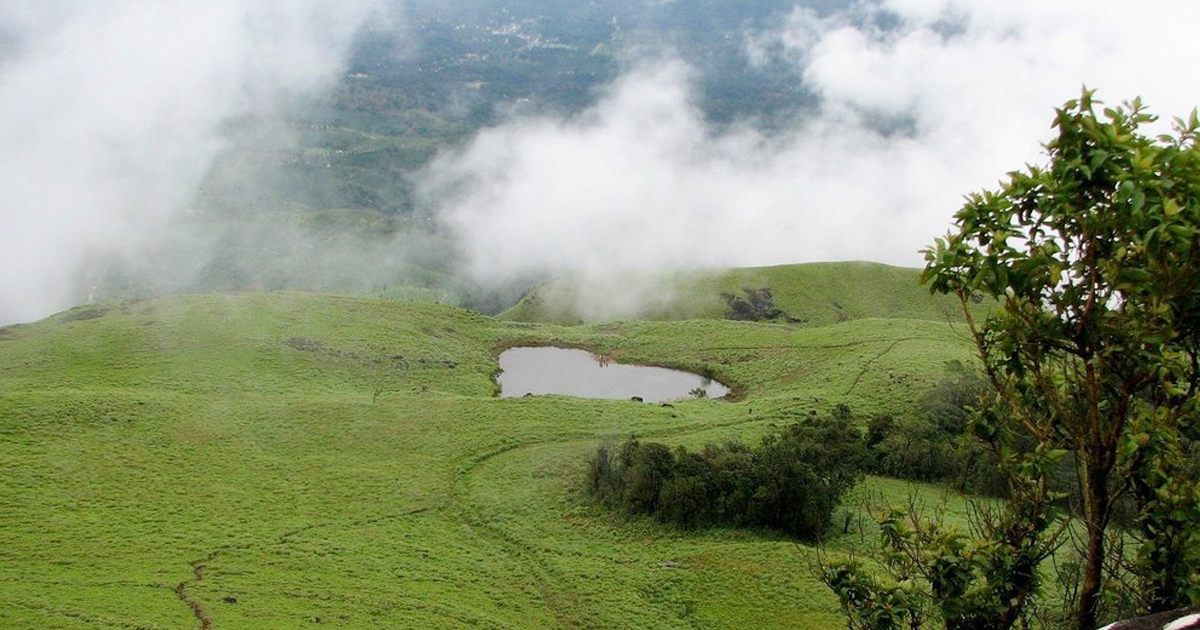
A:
(802, 473)
(938, 576)
(1094, 261)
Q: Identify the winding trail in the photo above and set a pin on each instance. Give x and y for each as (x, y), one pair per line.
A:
(557, 598)
(815, 346)
(182, 592)
(866, 366)
(200, 566)
(519, 552)
(524, 553)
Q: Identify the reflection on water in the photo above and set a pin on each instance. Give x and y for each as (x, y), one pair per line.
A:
(579, 373)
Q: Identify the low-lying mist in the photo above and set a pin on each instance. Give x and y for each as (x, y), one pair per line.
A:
(153, 147)
(920, 102)
(111, 114)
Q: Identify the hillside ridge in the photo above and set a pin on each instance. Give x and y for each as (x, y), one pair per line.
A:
(366, 475)
(811, 294)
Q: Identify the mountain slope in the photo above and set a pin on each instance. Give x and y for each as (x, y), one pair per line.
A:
(282, 460)
(814, 294)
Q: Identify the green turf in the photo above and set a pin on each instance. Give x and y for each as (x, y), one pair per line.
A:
(343, 462)
(815, 294)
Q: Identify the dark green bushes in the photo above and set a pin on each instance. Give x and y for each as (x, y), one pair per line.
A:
(791, 482)
(936, 445)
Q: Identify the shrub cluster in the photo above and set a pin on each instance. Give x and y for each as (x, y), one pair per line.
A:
(936, 445)
(791, 482)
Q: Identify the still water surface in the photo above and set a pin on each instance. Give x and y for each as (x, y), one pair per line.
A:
(579, 373)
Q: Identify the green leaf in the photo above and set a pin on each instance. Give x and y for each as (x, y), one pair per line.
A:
(1138, 201)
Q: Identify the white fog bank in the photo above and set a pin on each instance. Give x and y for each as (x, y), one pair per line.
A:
(944, 100)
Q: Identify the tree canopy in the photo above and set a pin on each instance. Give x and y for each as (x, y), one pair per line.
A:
(1093, 262)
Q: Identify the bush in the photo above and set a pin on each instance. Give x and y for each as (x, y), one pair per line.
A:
(948, 405)
(937, 446)
(917, 450)
(650, 466)
(792, 482)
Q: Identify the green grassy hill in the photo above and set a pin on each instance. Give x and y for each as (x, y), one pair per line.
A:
(814, 294)
(287, 460)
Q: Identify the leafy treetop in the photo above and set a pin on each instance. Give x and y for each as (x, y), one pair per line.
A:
(1094, 260)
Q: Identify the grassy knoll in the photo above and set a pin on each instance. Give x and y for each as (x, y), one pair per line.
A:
(284, 460)
(816, 294)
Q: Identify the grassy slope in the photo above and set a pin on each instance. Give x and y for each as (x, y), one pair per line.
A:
(343, 460)
(817, 293)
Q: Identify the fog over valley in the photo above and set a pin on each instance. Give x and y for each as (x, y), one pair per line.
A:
(563, 314)
(462, 153)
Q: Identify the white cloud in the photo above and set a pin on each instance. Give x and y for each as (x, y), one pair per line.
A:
(640, 181)
(111, 113)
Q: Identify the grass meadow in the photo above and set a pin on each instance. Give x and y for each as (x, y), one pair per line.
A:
(273, 461)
